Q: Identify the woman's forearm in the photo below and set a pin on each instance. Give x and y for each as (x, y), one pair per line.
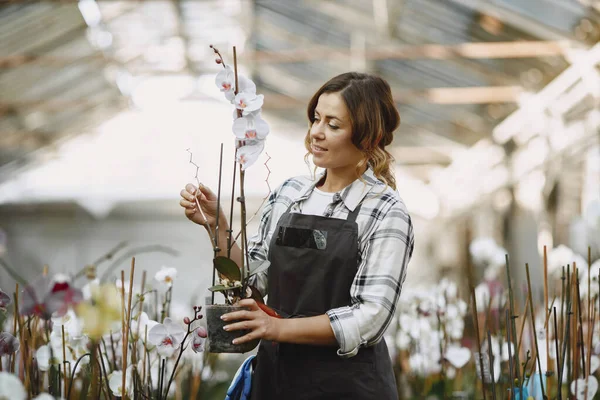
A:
(310, 330)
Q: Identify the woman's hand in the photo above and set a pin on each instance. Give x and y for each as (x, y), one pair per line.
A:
(191, 197)
(258, 322)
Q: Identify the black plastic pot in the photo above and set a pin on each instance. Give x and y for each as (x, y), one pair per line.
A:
(219, 340)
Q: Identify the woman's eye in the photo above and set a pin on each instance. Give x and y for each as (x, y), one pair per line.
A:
(333, 127)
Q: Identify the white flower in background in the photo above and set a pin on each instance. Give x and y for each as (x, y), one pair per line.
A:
(248, 102)
(580, 386)
(250, 127)
(138, 327)
(166, 275)
(248, 151)
(88, 287)
(403, 340)
(482, 296)
(47, 396)
(457, 356)
(167, 337)
(8, 344)
(560, 257)
(486, 252)
(592, 276)
(115, 382)
(592, 215)
(198, 338)
(4, 300)
(11, 387)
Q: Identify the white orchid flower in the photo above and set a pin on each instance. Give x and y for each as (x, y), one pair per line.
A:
(457, 356)
(115, 382)
(166, 275)
(88, 287)
(225, 81)
(138, 327)
(248, 151)
(248, 102)
(8, 344)
(11, 387)
(250, 127)
(561, 256)
(167, 337)
(198, 338)
(46, 396)
(585, 388)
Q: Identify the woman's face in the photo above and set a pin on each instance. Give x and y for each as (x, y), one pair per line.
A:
(331, 135)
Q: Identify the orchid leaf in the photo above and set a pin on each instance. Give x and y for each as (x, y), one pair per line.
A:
(219, 288)
(228, 268)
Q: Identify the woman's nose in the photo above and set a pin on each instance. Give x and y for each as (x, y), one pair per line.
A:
(317, 131)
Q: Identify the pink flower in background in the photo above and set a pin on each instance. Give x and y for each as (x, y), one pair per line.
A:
(46, 296)
(8, 344)
(198, 338)
(4, 300)
(167, 337)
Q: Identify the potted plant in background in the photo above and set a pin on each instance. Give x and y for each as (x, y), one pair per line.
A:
(250, 132)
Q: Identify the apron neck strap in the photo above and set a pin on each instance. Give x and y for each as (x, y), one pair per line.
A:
(352, 216)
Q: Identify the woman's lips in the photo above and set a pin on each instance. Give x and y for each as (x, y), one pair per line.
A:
(317, 149)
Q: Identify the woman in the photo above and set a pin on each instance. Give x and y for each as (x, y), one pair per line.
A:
(338, 248)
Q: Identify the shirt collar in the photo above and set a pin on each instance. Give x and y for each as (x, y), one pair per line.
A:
(352, 194)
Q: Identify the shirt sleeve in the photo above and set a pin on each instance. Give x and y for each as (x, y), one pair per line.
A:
(258, 245)
(377, 284)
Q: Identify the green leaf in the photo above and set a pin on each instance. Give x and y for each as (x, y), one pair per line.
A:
(228, 268)
(219, 288)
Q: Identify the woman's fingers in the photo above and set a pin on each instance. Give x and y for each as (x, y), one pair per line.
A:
(209, 195)
(237, 315)
(187, 204)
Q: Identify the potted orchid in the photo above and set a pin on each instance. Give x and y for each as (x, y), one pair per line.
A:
(250, 132)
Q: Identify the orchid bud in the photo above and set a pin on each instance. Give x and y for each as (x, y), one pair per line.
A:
(218, 60)
(186, 320)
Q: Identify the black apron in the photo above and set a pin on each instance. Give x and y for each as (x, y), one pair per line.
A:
(314, 260)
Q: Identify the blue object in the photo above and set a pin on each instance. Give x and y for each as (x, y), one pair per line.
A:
(240, 386)
(520, 395)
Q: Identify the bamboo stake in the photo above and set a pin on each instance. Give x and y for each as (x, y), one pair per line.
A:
(15, 323)
(512, 314)
(537, 350)
(64, 358)
(126, 326)
(558, 370)
(123, 316)
(491, 356)
(476, 321)
(510, 357)
(589, 359)
(548, 312)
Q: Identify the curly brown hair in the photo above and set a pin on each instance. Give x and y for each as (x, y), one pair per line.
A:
(373, 117)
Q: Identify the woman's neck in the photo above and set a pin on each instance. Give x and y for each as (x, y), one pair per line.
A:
(336, 179)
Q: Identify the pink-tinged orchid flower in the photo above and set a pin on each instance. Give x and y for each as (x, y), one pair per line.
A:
(225, 81)
(167, 337)
(248, 151)
(248, 102)
(4, 300)
(46, 296)
(8, 344)
(250, 127)
(198, 338)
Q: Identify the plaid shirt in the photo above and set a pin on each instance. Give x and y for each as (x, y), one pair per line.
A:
(385, 242)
